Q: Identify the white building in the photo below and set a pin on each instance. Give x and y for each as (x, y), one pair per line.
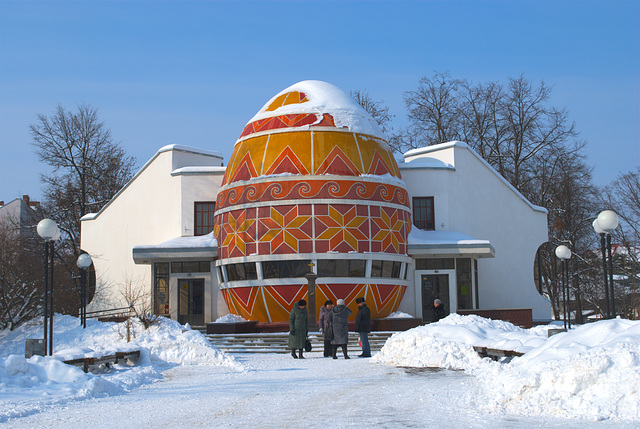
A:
(476, 248)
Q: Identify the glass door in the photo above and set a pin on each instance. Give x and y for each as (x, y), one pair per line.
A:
(434, 286)
(191, 301)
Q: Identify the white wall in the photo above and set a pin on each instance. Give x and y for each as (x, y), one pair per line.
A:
(199, 187)
(196, 187)
(150, 209)
(475, 200)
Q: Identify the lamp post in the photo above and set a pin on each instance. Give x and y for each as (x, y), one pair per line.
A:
(48, 230)
(84, 262)
(311, 295)
(564, 254)
(608, 221)
(603, 246)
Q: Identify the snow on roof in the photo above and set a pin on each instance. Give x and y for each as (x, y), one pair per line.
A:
(189, 149)
(425, 162)
(418, 236)
(199, 241)
(202, 246)
(434, 148)
(320, 97)
(198, 170)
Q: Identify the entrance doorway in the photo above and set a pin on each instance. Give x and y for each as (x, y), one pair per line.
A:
(191, 301)
(434, 286)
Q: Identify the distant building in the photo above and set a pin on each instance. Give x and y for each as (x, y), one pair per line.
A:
(20, 216)
(312, 187)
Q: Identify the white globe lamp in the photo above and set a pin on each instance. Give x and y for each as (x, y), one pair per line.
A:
(608, 221)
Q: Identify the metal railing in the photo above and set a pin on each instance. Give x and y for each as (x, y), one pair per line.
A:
(111, 313)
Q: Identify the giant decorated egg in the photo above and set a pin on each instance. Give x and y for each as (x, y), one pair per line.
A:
(311, 187)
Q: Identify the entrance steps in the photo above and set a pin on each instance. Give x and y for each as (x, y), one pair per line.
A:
(276, 342)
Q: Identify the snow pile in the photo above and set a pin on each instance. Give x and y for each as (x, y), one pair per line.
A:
(449, 343)
(399, 315)
(231, 318)
(592, 371)
(163, 345)
(169, 342)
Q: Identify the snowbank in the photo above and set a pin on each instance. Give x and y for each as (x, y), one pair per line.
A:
(399, 315)
(231, 318)
(592, 371)
(162, 346)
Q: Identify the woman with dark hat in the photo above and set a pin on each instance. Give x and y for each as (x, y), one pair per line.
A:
(298, 328)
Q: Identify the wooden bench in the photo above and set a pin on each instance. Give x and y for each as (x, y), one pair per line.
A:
(87, 362)
(497, 354)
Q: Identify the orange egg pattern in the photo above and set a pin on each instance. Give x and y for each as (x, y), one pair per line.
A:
(298, 187)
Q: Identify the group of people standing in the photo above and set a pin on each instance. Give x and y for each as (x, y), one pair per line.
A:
(333, 325)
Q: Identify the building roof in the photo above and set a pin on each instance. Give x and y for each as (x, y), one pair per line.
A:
(443, 243)
(202, 246)
(420, 243)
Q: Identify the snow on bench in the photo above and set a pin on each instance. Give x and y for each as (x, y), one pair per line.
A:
(86, 358)
(497, 354)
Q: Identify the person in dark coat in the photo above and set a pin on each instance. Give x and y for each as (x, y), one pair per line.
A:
(325, 327)
(339, 328)
(298, 328)
(438, 310)
(363, 326)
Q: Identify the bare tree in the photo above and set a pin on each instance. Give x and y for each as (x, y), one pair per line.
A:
(533, 145)
(377, 109)
(138, 298)
(433, 110)
(623, 196)
(21, 281)
(532, 128)
(511, 126)
(89, 168)
(481, 126)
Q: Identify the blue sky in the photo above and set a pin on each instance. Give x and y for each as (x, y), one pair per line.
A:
(194, 72)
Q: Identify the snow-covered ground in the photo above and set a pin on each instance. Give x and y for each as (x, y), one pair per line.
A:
(588, 377)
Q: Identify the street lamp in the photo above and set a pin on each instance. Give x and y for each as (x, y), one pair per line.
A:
(603, 246)
(564, 254)
(84, 262)
(48, 230)
(311, 295)
(608, 221)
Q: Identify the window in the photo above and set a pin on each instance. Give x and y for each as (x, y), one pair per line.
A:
(435, 264)
(423, 217)
(475, 277)
(161, 288)
(341, 267)
(242, 271)
(285, 269)
(463, 277)
(386, 269)
(191, 267)
(203, 222)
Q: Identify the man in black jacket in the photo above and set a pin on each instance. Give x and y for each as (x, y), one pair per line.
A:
(363, 326)
(438, 310)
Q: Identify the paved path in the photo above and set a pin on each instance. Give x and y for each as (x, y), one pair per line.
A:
(280, 392)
